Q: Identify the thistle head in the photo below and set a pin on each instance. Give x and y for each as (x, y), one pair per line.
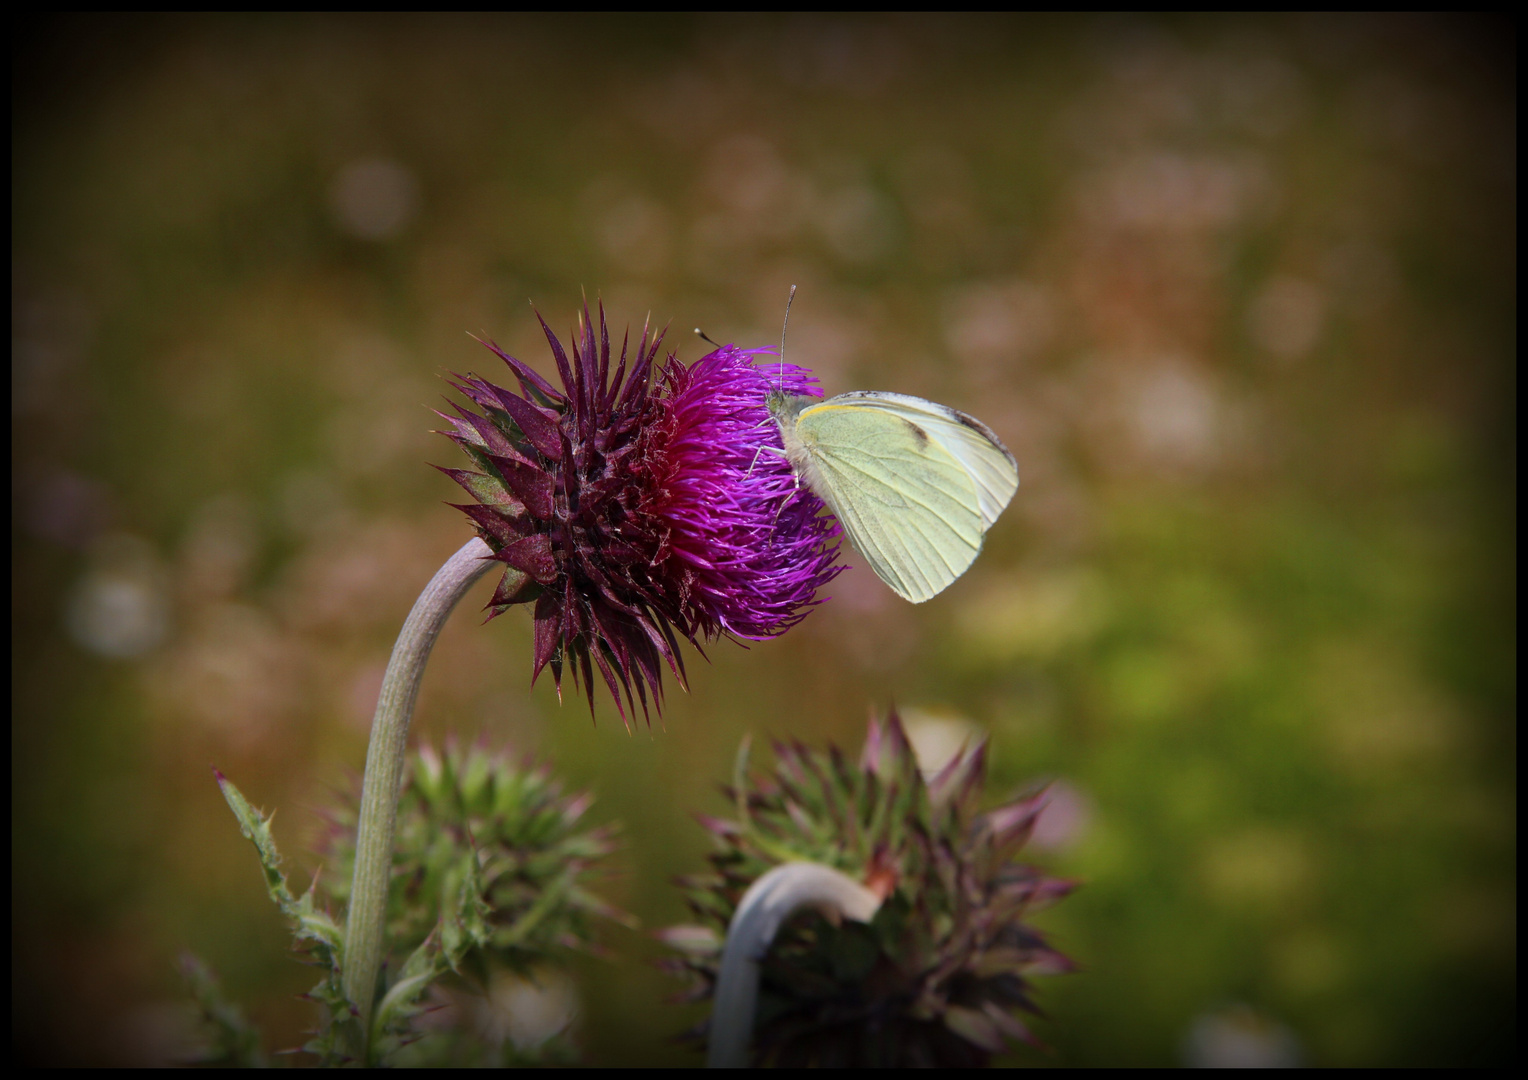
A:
(491, 855)
(935, 979)
(632, 507)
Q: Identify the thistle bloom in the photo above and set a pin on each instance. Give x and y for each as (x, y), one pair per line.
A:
(634, 507)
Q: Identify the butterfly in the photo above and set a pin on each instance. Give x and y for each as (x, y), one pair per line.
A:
(915, 484)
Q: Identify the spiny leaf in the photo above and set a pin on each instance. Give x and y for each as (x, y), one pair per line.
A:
(338, 1038)
(257, 830)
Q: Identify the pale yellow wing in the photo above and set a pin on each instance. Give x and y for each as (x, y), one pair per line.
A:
(909, 503)
(971, 442)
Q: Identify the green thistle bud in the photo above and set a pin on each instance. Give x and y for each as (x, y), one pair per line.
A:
(489, 853)
(935, 978)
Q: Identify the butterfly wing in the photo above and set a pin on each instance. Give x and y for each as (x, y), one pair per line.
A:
(912, 490)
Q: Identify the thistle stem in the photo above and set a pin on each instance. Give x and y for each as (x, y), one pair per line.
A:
(384, 771)
(768, 902)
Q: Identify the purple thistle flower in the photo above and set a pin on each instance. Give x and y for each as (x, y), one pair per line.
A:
(635, 508)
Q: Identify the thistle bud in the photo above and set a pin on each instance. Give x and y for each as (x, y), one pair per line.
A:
(937, 976)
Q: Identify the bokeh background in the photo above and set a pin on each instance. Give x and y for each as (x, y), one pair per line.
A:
(1239, 293)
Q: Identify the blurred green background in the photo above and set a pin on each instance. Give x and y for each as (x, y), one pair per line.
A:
(1239, 293)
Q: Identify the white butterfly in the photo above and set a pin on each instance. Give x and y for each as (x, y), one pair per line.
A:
(915, 484)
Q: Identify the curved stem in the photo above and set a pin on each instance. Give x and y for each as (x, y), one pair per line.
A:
(384, 771)
(768, 903)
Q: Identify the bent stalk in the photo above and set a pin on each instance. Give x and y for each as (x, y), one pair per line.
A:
(768, 902)
(384, 771)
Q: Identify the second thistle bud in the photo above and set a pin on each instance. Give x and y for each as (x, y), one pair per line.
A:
(937, 977)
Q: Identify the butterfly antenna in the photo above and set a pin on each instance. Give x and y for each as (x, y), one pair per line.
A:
(784, 323)
(703, 337)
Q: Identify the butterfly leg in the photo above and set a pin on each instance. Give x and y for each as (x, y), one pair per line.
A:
(773, 525)
(765, 449)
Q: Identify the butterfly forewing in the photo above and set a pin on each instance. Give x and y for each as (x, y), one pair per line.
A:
(972, 443)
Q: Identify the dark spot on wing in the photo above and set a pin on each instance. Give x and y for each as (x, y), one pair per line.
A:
(982, 429)
(918, 432)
